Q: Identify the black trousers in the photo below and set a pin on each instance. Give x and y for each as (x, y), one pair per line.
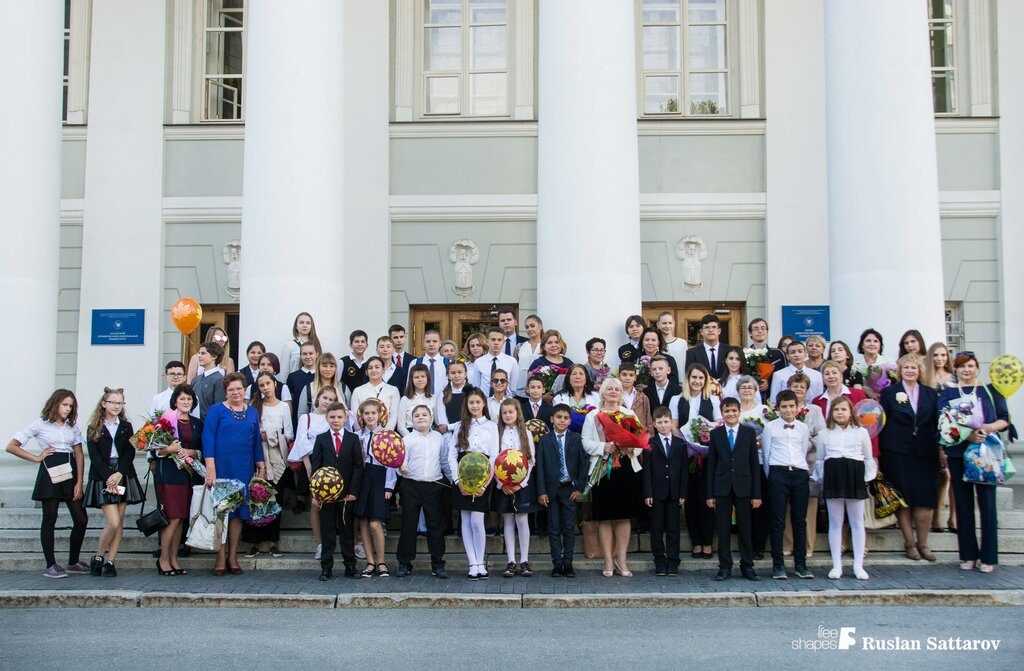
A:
(337, 519)
(700, 520)
(966, 538)
(723, 522)
(665, 532)
(425, 496)
(788, 487)
(561, 524)
(760, 519)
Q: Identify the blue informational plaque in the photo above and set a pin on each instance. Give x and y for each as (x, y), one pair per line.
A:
(118, 327)
(803, 321)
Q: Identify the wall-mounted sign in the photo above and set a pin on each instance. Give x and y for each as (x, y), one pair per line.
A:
(118, 327)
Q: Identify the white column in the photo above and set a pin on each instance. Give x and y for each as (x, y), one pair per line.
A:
(292, 190)
(1010, 24)
(122, 233)
(796, 185)
(31, 35)
(367, 224)
(883, 200)
(588, 190)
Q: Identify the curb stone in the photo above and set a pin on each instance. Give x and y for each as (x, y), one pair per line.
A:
(895, 597)
(640, 600)
(429, 600)
(68, 599)
(208, 600)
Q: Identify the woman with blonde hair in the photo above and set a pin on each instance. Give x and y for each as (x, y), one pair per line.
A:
(939, 375)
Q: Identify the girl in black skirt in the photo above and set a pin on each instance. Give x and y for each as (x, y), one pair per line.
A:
(373, 505)
(61, 443)
(846, 466)
(112, 481)
(514, 504)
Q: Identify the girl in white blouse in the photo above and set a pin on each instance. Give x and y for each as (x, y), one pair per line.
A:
(417, 392)
(379, 389)
(845, 466)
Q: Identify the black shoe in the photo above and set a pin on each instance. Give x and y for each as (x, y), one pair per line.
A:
(96, 565)
(659, 570)
(759, 555)
(568, 571)
(325, 575)
(156, 552)
(671, 570)
(750, 574)
(525, 570)
(403, 570)
(484, 575)
(108, 570)
(438, 572)
(779, 573)
(299, 508)
(706, 555)
(723, 574)
(695, 555)
(350, 572)
(184, 551)
(510, 570)
(803, 572)
(557, 571)
(472, 577)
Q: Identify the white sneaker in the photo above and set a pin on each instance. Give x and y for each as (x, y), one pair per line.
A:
(860, 574)
(835, 574)
(319, 549)
(360, 551)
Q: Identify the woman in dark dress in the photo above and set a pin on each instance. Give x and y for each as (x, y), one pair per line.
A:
(907, 451)
(616, 499)
(173, 484)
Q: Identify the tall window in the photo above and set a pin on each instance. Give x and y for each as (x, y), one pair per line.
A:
(954, 326)
(224, 70)
(685, 59)
(940, 39)
(465, 58)
(67, 58)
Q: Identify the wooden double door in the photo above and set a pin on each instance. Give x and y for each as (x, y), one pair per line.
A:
(223, 316)
(688, 316)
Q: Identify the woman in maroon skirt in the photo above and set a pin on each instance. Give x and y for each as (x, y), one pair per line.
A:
(174, 485)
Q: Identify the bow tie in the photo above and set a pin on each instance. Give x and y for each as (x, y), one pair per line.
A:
(788, 426)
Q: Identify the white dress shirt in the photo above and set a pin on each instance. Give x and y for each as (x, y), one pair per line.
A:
(405, 408)
(849, 443)
(384, 392)
(111, 428)
(441, 413)
(589, 398)
(716, 407)
(309, 427)
(504, 362)
(781, 378)
(785, 447)
(423, 456)
(483, 438)
(61, 437)
(440, 375)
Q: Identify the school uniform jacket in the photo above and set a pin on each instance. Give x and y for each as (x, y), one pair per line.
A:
(651, 392)
(352, 374)
(733, 470)
(665, 477)
(543, 411)
(549, 467)
(908, 432)
(99, 453)
(349, 461)
(699, 354)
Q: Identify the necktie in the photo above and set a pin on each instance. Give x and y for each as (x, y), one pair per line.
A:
(535, 407)
(732, 439)
(398, 360)
(714, 369)
(666, 447)
(494, 365)
(787, 426)
(508, 346)
(337, 444)
(431, 376)
(563, 472)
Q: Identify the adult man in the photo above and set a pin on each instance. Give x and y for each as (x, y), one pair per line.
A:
(757, 329)
(496, 359)
(402, 359)
(709, 353)
(510, 331)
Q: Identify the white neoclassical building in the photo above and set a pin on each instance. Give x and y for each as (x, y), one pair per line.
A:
(423, 161)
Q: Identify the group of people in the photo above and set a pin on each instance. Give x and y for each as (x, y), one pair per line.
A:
(729, 444)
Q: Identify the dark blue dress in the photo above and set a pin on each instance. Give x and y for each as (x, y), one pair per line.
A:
(234, 445)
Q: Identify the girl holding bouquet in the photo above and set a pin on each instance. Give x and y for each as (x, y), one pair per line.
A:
(996, 418)
(373, 505)
(516, 502)
(576, 391)
(277, 434)
(616, 496)
(174, 484)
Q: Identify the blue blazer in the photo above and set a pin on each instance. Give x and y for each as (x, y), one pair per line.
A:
(907, 432)
(548, 467)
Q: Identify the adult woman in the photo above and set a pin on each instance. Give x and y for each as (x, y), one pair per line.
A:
(597, 369)
(673, 345)
(635, 325)
(939, 366)
(908, 454)
(326, 375)
(215, 335)
(173, 484)
(784, 342)
(554, 348)
(735, 368)
(697, 399)
(870, 347)
(449, 349)
(276, 433)
(832, 378)
(528, 351)
(815, 346)
(113, 483)
(912, 342)
(303, 330)
(270, 363)
(576, 392)
(61, 443)
(840, 352)
(652, 343)
(996, 419)
(233, 450)
(476, 347)
(253, 352)
(616, 498)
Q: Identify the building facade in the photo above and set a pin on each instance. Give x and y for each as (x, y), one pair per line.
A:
(423, 161)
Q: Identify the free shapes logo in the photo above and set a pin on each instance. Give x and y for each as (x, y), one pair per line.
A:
(846, 639)
(828, 638)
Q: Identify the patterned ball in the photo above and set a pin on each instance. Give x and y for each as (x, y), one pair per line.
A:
(475, 472)
(870, 416)
(537, 428)
(326, 485)
(388, 448)
(510, 468)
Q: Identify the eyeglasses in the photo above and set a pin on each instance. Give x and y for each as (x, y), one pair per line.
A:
(115, 403)
(597, 350)
(220, 338)
(499, 380)
(965, 352)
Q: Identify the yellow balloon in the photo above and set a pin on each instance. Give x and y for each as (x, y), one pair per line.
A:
(1007, 374)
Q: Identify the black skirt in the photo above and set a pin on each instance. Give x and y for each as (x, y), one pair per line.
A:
(617, 497)
(523, 501)
(479, 504)
(844, 479)
(913, 477)
(371, 503)
(96, 495)
(44, 487)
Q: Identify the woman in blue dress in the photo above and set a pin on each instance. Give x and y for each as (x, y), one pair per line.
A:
(233, 450)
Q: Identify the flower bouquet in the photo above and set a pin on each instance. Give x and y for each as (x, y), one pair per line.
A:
(156, 433)
(770, 413)
(228, 496)
(758, 363)
(577, 418)
(801, 414)
(755, 422)
(643, 371)
(879, 376)
(184, 463)
(263, 505)
(697, 436)
(549, 374)
(627, 433)
(600, 375)
(958, 420)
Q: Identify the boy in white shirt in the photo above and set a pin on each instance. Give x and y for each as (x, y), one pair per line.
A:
(495, 359)
(797, 354)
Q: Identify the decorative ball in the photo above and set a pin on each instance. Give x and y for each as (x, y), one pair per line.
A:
(326, 485)
(475, 472)
(870, 416)
(537, 428)
(388, 448)
(510, 468)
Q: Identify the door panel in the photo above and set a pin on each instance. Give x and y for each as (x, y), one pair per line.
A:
(226, 317)
(454, 322)
(688, 316)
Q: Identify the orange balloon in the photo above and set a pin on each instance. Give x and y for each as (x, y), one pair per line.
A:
(186, 315)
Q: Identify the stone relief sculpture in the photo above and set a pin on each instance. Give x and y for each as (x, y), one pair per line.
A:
(463, 254)
(691, 250)
(232, 254)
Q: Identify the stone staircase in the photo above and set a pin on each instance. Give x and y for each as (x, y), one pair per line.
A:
(20, 549)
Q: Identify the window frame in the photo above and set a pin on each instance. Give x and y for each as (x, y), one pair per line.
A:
(206, 78)
(953, 316)
(952, 71)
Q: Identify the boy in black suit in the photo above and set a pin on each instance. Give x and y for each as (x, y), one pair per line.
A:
(562, 467)
(664, 481)
(733, 480)
(661, 389)
(535, 399)
(339, 449)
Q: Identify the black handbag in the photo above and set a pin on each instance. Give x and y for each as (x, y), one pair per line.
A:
(155, 520)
